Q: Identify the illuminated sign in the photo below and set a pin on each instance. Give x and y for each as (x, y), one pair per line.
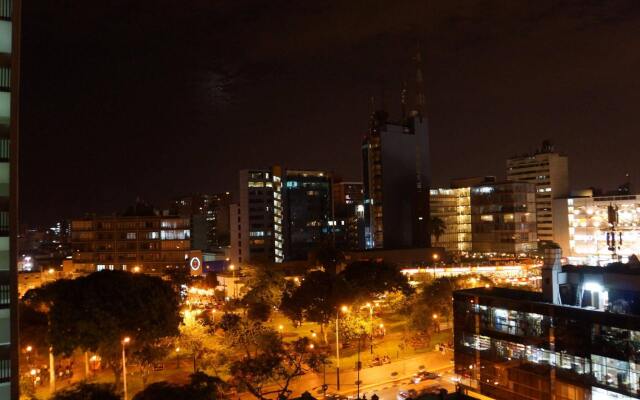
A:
(195, 263)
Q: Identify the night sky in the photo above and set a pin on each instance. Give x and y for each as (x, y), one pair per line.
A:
(156, 98)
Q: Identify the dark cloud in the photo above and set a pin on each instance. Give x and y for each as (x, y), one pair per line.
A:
(157, 98)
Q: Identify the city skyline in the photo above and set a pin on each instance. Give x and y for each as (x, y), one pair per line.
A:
(497, 82)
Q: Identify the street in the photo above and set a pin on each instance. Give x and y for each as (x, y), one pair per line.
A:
(384, 380)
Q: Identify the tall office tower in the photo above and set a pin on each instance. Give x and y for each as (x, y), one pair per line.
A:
(9, 88)
(549, 171)
(396, 178)
(346, 192)
(257, 235)
(348, 211)
(209, 210)
(307, 211)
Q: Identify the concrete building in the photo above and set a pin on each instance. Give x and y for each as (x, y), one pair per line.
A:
(257, 232)
(347, 192)
(578, 339)
(150, 243)
(493, 218)
(583, 230)
(396, 178)
(9, 91)
(549, 171)
(307, 211)
(210, 218)
(503, 218)
(348, 211)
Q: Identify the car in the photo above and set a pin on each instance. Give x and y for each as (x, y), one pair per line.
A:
(404, 394)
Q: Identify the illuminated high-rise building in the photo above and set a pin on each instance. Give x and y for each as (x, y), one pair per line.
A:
(209, 210)
(549, 171)
(9, 88)
(256, 220)
(396, 178)
(453, 207)
(307, 211)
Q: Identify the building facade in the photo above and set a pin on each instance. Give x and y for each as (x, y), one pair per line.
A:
(578, 339)
(307, 211)
(348, 211)
(583, 230)
(503, 218)
(257, 236)
(453, 207)
(150, 244)
(549, 171)
(9, 91)
(396, 178)
(210, 212)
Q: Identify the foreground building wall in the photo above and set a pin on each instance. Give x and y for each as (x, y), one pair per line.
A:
(9, 88)
(512, 344)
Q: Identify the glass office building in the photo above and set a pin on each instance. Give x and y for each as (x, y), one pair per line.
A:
(519, 345)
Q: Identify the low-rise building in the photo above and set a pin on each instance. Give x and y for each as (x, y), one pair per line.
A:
(577, 339)
(150, 243)
(584, 231)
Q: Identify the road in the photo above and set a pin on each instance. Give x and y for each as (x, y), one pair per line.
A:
(384, 380)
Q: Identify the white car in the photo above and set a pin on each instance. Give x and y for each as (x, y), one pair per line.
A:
(404, 394)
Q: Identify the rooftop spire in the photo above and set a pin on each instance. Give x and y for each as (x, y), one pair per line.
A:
(420, 98)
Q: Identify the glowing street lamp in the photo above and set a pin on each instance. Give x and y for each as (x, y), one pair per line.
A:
(28, 349)
(371, 327)
(125, 342)
(344, 310)
(178, 357)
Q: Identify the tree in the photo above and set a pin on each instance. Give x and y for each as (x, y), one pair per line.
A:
(317, 299)
(95, 312)
(87, 391)
(193, 334)
(437, 227)
(266, 287)
(327, 255)
(201, 387)
(259, 311)
(368, 279)
(149, 354)
(264, 359)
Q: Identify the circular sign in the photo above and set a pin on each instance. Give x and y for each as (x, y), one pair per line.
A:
(195, 263)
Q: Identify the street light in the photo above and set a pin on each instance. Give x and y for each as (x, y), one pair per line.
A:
(371, 326)
(178, 357)
(28, 350)
(125, 342)
(344, 310)
(233, 271)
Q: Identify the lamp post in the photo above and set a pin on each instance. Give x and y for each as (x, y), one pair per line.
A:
(344, 309)
(178, 357)
(28, 350)
(233, 271)
(435, 320)
(125, 342)
(371, 327)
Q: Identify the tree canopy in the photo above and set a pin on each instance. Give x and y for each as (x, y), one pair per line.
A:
(87, 391)
(201, 387)
(95, 312)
